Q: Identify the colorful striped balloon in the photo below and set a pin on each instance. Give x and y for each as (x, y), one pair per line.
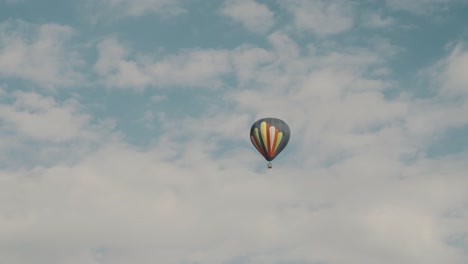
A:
(269, 136)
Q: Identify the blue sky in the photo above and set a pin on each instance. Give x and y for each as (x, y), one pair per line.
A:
(124, 131)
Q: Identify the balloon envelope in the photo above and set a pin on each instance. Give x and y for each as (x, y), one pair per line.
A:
(269, 136)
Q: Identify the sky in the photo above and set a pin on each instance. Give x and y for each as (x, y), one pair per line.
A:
(124, 129)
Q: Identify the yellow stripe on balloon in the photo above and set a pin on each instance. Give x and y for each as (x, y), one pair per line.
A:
(264, 133)
(280, 136)
(257, 137)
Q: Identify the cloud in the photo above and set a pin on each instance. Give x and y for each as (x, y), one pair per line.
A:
(37, 129)
(117, 66)
(119, 203)
(321, 17)
(117, 9)
(247, 59)
(445, 108)
(43, 118)
(453, 75)
(191, 68)
(354, 185)
(39, 53)
(256, 17)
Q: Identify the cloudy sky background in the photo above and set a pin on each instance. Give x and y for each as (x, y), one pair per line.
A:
(124, 131)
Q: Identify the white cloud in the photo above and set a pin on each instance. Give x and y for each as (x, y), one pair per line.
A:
(321, 17)
(117, 66)
(192, 68)
(454, 75)
(38, 53)
(254, 16)
(447, 108)
(247, 59)
(43, 118)
(115, 69)
(116, 9)
(37, 129)
(123, 204)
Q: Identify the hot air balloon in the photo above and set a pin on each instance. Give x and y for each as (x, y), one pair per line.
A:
(269, 136)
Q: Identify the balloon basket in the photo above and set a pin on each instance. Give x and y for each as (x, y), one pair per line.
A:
(269, 165)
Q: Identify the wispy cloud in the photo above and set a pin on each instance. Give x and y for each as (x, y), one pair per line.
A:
(454, 67)
(37, 129)
(191, 68)
(254, 16)
(43, 118)
(321, 17)
(39, 53)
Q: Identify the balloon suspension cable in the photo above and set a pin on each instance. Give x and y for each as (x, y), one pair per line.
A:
(269, 165)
